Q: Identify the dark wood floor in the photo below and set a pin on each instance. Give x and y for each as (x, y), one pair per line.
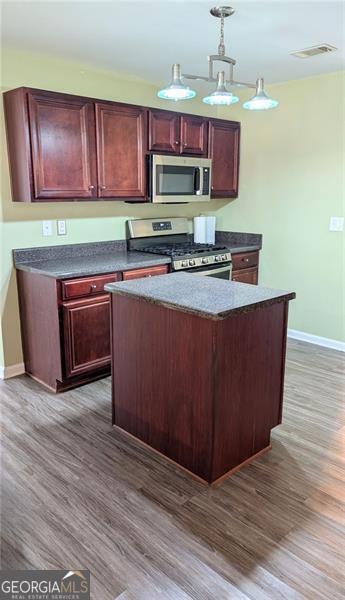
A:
(76, 494)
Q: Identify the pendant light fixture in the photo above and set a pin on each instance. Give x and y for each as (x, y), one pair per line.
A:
(221, 96)
(260, 101)
(178, 90)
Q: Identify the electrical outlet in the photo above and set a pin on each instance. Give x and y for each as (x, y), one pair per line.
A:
(61, 227)
(336, 224)
(47, 227)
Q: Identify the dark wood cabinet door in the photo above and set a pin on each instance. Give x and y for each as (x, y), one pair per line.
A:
(246, 276)
(121, 145)
(62, 130)
(224, 149)
(86, 327)
(164, 131)
(193, 135)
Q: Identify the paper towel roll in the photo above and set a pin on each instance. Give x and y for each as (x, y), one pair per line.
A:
(210, 230)
(200, 230)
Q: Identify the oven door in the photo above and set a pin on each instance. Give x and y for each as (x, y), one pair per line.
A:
(223, 272)
(180, 179)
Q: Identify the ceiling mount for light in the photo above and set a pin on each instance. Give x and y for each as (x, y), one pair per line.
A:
(177, 90)
(222, 11)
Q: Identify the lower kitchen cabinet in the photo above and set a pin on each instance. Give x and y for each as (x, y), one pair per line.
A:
(86, 334)
(245, 267)
(65, 326)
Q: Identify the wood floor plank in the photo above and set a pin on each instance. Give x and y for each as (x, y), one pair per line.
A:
(77, 494)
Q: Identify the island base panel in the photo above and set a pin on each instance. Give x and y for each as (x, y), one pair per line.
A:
(205, 393)
(248, 392)
(162, 372)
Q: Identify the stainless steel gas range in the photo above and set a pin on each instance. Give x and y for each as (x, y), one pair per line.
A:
(170, 237)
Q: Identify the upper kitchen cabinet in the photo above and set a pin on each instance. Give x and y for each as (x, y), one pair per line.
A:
(178, 134)
(193, 135)
(224, 149)
(63, 147)
(121, 145)
(51, 142)
(164, 131)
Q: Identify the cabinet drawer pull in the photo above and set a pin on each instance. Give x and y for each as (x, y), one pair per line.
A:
(93, 286)
(103, 187)
(245, 259)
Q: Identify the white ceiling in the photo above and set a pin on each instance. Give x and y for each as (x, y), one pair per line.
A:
(143, 38)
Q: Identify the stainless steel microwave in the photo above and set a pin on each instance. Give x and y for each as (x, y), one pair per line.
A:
(175, 179)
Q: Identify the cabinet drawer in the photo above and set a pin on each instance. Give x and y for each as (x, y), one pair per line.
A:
(149, 272)
(87, 286)
(246, 276)
(245, 260)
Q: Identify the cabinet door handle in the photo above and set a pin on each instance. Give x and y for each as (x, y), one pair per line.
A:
(177, 142)
(103, 187)
(91, 187)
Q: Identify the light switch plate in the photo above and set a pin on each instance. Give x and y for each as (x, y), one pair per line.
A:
(47, 227)
(336, 224)
(61, 227)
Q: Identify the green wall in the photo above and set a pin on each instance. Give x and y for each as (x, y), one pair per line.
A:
(290, 184)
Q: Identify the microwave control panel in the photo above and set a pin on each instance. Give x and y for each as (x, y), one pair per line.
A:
(206, 181)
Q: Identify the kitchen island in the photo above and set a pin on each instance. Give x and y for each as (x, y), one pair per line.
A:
(198, 368)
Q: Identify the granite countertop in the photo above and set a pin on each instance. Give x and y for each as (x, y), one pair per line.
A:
(67, 268)
(239, 241)
(205, 296)
(237, 248)
(93, 258)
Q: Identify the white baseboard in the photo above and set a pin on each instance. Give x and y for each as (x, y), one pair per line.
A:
(12, 371)
(316, 339)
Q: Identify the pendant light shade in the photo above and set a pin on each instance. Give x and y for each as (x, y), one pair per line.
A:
(261, 101)
(176, 90)
(220, 96)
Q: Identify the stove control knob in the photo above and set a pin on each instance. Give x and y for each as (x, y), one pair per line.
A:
(224, 257)
(184, 263)
(205, 260)
(192, 262)
(218, 258)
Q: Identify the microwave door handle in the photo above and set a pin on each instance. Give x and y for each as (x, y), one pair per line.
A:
(198, 181)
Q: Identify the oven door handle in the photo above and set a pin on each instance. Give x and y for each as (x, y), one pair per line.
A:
(198, 181)
(214, 271)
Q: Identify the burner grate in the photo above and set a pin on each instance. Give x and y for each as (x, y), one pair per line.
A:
(182, 249)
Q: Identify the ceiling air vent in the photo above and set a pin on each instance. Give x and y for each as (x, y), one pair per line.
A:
(314, 50)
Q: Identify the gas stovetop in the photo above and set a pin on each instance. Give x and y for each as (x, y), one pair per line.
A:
(171, 238)
(187, 248)
(188, 254)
